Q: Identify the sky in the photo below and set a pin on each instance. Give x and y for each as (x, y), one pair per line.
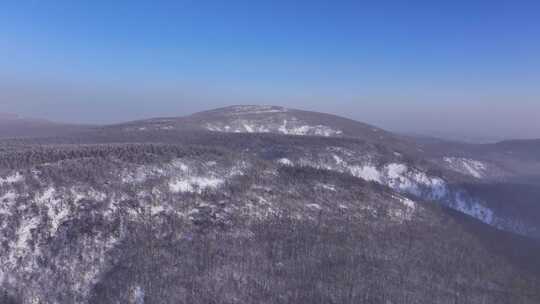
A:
(449, 68)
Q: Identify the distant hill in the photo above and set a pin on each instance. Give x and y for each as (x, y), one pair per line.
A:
(13, 125)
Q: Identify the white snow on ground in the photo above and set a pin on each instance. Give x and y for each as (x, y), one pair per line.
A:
(248, 128)
(338, 159)
(24, 234)
(285, 161)
(57, 209)
(184, 175)
(262, 129)
(180, 165)
(366, 172)
(474, 168)
(397, 176)
(314, 206)
(407, 202)
(283, 128)
(318, 130)
(213, 128)
(467, 166)
(413, 181)
(46, 197)
(194, 184)
(290, 126)
(6, 202)
(396, 171)
(253, 109)
(409, 180)
(138, 295)
(327, 187)
(435, 186)
(11, 179)
(79, 194)
(469, 206)
(157, 209)
(139, 176)
(404, 214)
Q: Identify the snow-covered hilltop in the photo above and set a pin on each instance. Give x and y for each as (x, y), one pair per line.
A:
(264, 119)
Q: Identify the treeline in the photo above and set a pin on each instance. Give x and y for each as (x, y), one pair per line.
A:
(132, 153)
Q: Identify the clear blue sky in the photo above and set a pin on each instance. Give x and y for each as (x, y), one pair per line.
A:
(444, 66)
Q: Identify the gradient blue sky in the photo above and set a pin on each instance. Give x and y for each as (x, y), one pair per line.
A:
(447, 67)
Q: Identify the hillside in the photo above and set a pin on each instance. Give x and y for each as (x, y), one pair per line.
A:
(195, 212)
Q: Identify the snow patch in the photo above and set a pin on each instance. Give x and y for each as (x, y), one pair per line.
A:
(180, 165)
(157, 209)
(285, 162)
(12, 179)
(339, 160)
(24, 235)
(290, 126)
(57, 209)
(194, 184)
(255, 109)
(327, 187)
(396, 171)
(467, 166)
(366, 172)
(473, 207)
(6, 202)
(318, 130)
(314, 206)
(408, 203)
(413, 181)
(248, 128)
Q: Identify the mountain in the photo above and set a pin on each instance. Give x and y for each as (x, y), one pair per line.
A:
(462, 176)
(263, 204)
(264, 119)
(13, 126)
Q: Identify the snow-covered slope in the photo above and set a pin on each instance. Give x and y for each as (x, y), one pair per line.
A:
(466, 166)
(56, 205)
(143, 204)
(410, 178)
(266, 119)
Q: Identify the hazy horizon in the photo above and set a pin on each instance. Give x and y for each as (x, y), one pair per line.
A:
(457, 69)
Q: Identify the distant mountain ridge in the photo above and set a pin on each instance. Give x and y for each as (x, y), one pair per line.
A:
(14, 125)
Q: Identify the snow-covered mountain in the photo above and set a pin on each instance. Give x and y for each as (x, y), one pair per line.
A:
(264, 119)
(225, 204)
(405, 165)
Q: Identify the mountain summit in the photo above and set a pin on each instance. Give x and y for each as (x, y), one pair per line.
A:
(267, 119)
